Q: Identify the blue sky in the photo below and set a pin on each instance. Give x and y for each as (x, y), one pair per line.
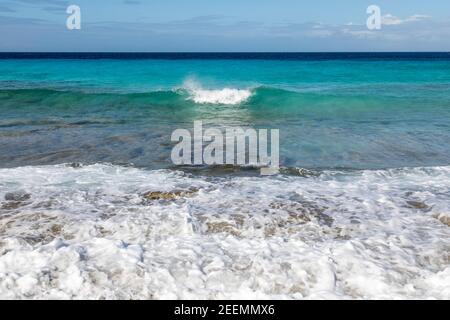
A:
(227, 25)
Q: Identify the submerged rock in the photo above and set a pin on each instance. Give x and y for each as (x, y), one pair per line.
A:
(303, 211)
(15, 200)
(222, 227)
(56, 229)
(417, 205)
(75, 165)
(444, 218)
(12, 205)
(305, 173)
(17, 196)
(172, 195)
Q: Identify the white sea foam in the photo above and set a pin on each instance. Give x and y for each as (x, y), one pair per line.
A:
(88, 233)
(228, 96)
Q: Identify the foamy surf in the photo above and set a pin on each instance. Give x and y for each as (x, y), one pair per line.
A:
(223, 96)
(104, 231)
(227, 96)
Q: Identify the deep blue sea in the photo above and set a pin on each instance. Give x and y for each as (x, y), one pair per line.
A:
(91, 205)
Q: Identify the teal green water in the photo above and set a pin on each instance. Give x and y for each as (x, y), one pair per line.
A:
(336, 113)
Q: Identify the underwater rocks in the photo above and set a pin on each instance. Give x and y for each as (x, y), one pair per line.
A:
(417, 205)
(12, 205)
(17, 196)
(279, 218)
(15, 200)
(170, 195)
(444, 218)
(222, 227)
(303, 212)
(294, 171)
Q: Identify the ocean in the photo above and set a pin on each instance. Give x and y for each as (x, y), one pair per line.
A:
(91, 205)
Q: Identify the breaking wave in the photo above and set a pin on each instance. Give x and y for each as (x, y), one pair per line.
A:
(228, 96)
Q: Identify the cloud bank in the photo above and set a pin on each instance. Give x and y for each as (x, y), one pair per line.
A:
(418, 32)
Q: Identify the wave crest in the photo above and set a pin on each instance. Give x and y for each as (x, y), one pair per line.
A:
(228, 96)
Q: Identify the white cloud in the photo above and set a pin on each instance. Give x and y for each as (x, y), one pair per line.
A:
(391, 20)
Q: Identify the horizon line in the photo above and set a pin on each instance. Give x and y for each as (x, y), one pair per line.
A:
(212, 52)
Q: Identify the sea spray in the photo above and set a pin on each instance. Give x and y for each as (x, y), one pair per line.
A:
(226, 96)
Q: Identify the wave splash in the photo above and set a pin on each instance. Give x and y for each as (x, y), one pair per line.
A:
(228, 96)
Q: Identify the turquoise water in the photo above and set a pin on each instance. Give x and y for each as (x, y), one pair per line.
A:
(381, 113)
